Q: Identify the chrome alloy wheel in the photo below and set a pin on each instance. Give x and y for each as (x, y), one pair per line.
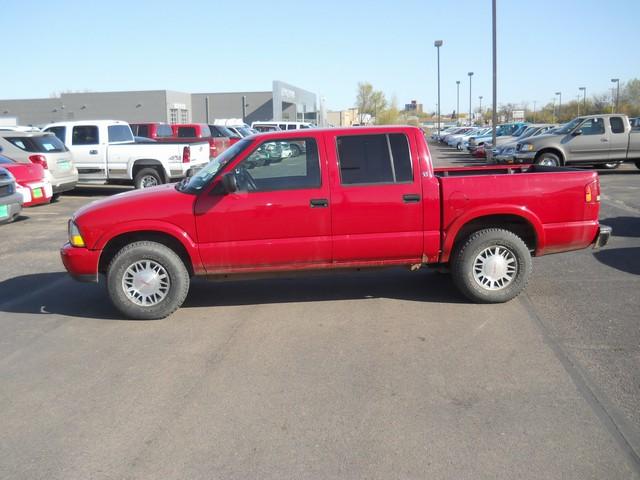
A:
(495, 267)
(146, 283)
(149, 181)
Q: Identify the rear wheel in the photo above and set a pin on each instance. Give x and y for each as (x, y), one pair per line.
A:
(147, 281)
(55, 197)
(637, 164)
(148, 177)
(548, 159)
(491, 266)
(611, 165)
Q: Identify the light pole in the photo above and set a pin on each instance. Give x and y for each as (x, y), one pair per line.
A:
(244, 109)
(578, 103)
(481, 117)
(534, 111)
(559, 104)
(584, 98)
(617, 81)
(470, 113)
(494, 114)
(438, 44)
(458, 102)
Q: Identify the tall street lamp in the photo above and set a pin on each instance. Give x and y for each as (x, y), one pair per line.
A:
(584, 98)
(494, 114)
(481, 118)
(470, 116)
(458, 102)
(559, 104)
(438, 44)
(617, 81)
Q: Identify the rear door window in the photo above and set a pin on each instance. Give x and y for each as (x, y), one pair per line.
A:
(617, 125)
(85, 135)
(59, 132)
(372, 159)
(119, 134)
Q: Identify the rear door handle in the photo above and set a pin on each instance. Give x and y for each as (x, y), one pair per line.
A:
(319, 203)
(411, 198)
(604, 140)
(93, 152)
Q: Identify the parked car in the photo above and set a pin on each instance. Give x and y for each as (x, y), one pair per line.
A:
(222, 131)
(463, 143)
(30, 181)
(197, 132)
(503, 130)
(105, 152)
(455, 139)
(357, 198)
(505, 152)
(602, 140)
(282, 125)
(153, 130)
(242, 130)
(46, 150)
(10, 198)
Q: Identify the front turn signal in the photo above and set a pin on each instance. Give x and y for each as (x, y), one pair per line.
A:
(75, 238)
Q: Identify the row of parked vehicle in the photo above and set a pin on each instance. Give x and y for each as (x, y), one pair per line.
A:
(604, 141)
(41, 164)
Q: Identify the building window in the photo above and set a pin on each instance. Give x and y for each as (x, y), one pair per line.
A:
(173, 115)
(184, 116)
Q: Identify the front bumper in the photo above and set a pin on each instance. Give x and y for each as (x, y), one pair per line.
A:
(603, 236)
(527, 157)
(81, 263)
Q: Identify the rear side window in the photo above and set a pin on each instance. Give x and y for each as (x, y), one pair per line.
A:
(164, 131)
(291, 127)
(59, 132)
(84, 135)
(140, 130)
(38, 144)
(186, 132)
(370, 159)
(119, 133)
(617, 125)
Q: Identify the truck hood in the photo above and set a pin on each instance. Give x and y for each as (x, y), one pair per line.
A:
(161, 208)
(543, 140)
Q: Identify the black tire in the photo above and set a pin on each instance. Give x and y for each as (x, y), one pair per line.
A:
(148, 177)
(178, 280)
(295, 150)
(470, 251)
(55, 197)
(637, 164)
(548, 159)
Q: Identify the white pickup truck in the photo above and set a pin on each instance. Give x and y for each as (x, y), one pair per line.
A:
(105, 151)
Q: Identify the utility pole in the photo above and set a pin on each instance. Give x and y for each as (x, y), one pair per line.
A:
(584, 98)
(244, 109)
(494, 115)
(458, 102)
(481, 117)
(617, 81)
(470, 112)
(438, 44)
(534, 111)
(559, 104)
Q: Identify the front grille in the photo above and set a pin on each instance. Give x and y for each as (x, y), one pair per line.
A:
(6, 190)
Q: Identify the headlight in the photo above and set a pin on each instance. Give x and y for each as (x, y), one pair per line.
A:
(75, 238)
(526, 147)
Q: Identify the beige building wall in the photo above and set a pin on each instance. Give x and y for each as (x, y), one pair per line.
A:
(343, 118)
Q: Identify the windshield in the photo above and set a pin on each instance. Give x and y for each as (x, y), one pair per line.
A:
(568, 128)
(203, 177)
(519, 131)
(244, 131)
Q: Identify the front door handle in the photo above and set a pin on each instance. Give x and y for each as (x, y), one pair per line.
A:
(319, 203)
(604, 140)
(411, 198)
(93, 152)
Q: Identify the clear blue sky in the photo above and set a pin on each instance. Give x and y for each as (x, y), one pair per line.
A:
(325, 46)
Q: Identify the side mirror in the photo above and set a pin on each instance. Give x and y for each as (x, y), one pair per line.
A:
(575, 133)
(230, 183)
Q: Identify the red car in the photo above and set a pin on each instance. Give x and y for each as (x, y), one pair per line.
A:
(30, 181)
(479, 152)
(353, 198)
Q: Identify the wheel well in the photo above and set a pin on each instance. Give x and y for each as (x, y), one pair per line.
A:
(117, 243)
(155, 164)
(513, 223)
(551, 150)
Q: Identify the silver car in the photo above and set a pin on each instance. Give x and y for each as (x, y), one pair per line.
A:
(10, 198)
(45, 149)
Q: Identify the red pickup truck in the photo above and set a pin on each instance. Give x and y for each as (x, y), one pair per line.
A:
(198, 132)
(341, 199)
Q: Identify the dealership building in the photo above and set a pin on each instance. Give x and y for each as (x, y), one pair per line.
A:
(283, 102)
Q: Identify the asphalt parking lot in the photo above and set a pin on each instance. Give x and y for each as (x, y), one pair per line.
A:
(373, 375)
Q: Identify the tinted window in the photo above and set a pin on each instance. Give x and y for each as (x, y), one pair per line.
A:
(39, 144)
(617, 125)
(119, 133)
(215, 132)
(140, 130)
(291, 127)
(281, 165)
(593, 126)
(84, 135)
(186, 132)
(59, 132)
(368, 159)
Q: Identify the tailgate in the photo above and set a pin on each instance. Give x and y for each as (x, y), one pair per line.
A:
(199, 153)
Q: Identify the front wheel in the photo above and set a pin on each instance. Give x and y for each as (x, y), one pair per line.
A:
(491, 266)
(611, 165)
(147, 281)
(548, 159)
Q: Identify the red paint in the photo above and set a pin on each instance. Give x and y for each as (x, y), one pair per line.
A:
(363, 225)
(31, 177)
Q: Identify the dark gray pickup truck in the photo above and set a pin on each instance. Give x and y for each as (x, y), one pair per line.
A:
(602, 140)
